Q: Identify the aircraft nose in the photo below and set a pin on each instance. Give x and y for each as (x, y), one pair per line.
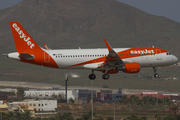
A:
(175, 59)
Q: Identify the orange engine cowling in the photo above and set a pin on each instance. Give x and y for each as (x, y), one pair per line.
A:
(132, 67)
(129, 67)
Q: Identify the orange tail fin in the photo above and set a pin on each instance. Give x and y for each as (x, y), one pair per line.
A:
(23, 41)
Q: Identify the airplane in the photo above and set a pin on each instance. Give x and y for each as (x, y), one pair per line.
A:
(106, 60)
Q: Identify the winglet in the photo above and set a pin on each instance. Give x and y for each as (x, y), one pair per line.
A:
(108, 46)
(46, 46)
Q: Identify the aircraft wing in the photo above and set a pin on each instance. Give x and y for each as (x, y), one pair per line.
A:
(26, 56)
(112, 59)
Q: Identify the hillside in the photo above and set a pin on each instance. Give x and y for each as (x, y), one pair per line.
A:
(70, 24)
(81, 23)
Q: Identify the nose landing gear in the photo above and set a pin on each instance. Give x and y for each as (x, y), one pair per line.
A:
(155, 74)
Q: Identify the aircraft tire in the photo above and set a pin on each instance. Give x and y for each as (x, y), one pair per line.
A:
(92, 76)
(156, 75)
(105, 76)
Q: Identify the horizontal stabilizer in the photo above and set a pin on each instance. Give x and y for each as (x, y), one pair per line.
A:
(26, 56)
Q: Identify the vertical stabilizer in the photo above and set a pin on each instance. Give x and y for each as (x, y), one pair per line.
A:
(23, 41)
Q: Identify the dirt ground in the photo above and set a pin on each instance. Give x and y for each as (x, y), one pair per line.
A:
(107, 110)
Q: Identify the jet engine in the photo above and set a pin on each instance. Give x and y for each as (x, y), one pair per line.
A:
(129, 67)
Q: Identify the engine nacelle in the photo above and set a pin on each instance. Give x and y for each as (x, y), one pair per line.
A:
(129, 67)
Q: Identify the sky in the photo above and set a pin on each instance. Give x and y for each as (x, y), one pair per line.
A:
(8, 3)
(166, 8)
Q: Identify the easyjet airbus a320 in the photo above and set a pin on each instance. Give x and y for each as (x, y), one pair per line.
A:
(108, 60)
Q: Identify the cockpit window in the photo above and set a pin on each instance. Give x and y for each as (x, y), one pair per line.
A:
(168, 53)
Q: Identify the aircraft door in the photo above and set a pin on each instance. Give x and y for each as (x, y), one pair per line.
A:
(159, 55)
(46, 57)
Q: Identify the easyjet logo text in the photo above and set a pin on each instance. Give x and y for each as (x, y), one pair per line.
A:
(23, 36)
(142, 51)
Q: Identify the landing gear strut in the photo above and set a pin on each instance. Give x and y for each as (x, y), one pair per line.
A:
(155, 74)
(92, 76)
(105, 76)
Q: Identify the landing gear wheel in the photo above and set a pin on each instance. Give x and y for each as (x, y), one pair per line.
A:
(92, 76)
(105, 76)
(156, 75)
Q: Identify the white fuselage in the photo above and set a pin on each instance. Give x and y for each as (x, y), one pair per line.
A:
(69, 57)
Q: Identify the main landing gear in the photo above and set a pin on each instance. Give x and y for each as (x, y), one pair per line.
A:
(105, 76)
(155, 74)
(92, 76)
